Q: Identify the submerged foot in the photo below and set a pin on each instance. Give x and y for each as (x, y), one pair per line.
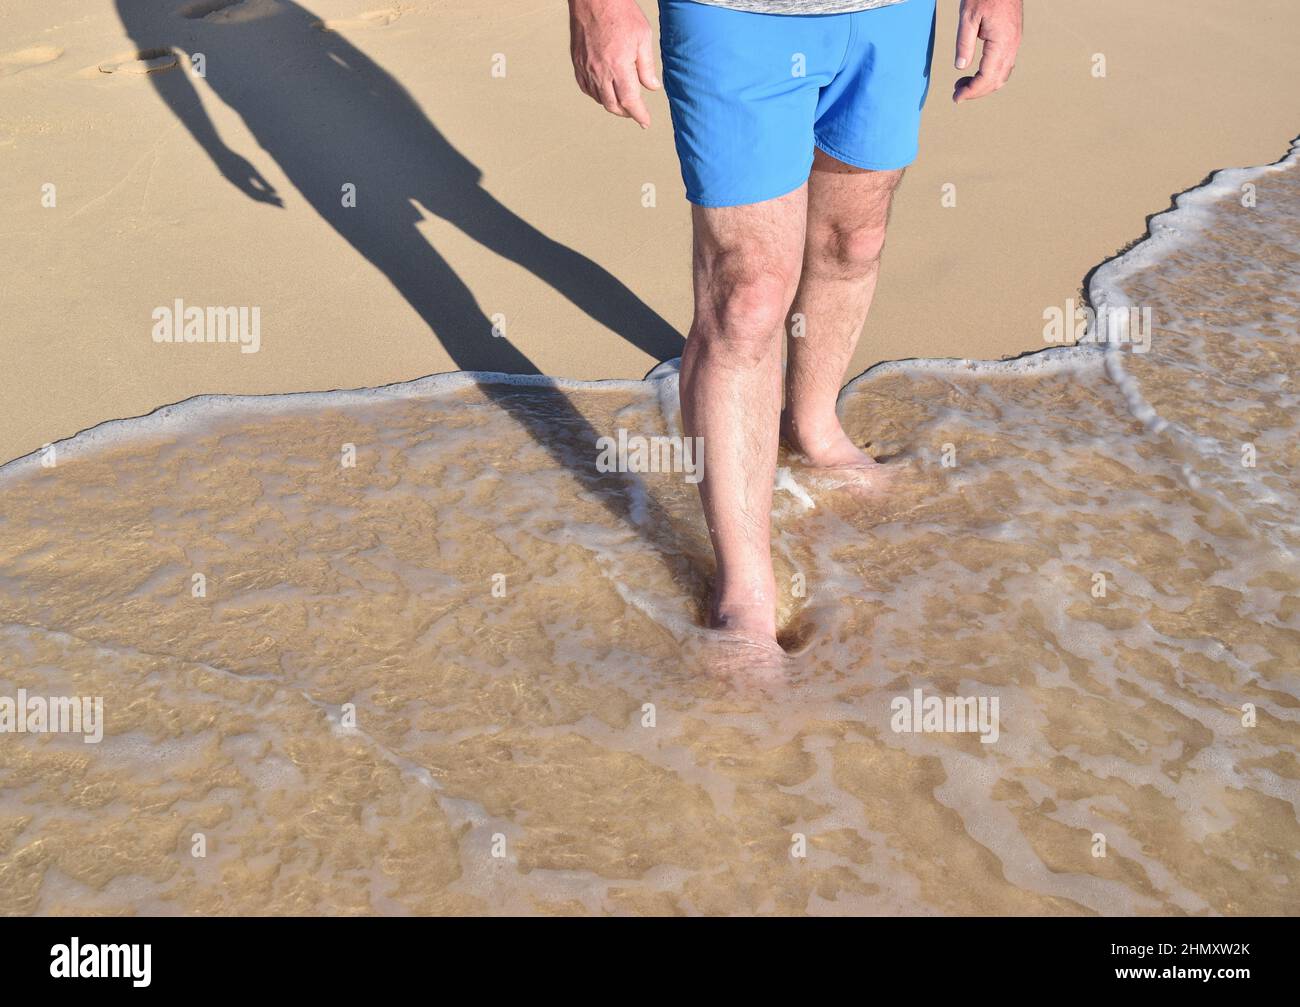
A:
(831, 452)
(828, 447)
(741, 656)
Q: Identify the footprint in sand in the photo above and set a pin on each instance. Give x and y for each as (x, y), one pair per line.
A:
(370, 19)
(137, 63)
(25, 59)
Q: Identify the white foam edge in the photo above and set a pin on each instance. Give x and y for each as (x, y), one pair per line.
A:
(1186, 220)
(198, 410)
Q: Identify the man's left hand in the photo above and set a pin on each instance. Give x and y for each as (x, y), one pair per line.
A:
(998, 24)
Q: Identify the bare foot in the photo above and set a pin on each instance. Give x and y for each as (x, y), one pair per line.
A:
(739, 658)
(826, 448)
(836, 461)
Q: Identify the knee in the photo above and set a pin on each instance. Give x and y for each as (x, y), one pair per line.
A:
(744, 312)
(847, 252)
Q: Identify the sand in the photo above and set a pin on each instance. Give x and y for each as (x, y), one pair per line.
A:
(1052, 176)
(416, 651)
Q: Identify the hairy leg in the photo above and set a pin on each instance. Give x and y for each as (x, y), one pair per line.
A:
(848, 210)
(746, 267)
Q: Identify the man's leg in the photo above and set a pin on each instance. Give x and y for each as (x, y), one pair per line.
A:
(848, 209)
(746, 267)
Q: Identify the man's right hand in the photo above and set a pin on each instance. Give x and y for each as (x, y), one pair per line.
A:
(613, 55)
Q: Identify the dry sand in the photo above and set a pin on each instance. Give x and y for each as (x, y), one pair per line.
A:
(1052, 176)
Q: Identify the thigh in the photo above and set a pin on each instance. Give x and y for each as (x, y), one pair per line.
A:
(757, 243)
(743, 88)
(843, 198)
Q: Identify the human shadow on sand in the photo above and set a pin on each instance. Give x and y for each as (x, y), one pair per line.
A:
(329, 115)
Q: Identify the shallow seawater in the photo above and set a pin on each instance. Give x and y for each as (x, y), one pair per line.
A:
(464, 674)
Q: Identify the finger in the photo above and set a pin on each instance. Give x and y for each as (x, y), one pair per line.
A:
(608, 98)
(996, 63)
(645, 65)
(583, 78)
(628, 89)
(968, 30)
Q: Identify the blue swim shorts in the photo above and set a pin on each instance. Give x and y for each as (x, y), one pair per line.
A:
(753, 94)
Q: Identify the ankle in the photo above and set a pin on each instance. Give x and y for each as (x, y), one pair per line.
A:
(811, 434)
(748, 611)
(752, 622)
